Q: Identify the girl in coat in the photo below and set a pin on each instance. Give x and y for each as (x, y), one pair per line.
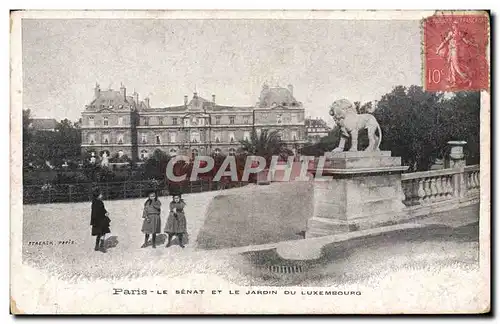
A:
(152, 221)
(99, 220)
(176, 222)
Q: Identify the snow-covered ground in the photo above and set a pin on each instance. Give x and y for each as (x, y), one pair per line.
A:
(56, 223)
(76, 259)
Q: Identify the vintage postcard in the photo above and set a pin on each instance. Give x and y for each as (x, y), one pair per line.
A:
(250, 162)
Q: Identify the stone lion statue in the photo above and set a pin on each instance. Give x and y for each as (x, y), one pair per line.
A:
(344, 114)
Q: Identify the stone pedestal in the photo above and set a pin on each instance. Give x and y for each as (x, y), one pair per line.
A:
(362, 190)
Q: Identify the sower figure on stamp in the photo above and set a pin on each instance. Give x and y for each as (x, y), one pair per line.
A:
(152, 219)
(176, 222)
(99, 220)
(458, 70)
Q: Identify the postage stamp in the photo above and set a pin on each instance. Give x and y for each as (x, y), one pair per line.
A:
(249, 162)
(455, 52)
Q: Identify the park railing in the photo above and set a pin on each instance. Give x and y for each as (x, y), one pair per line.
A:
(77, 192)
(441, 189)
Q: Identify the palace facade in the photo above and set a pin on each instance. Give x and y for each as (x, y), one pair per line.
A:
(117, 123)
(316, 128)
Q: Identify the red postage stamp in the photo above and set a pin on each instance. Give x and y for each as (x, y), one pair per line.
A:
(455, 52)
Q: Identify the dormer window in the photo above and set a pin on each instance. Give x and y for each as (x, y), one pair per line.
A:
(284, 104)
(120, 106)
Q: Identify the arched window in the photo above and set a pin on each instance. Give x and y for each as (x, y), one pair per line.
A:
(172, 152)
(144, 154)
(195, 137)
(232, 151)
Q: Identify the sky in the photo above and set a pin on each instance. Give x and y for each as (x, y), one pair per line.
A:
(164, 60)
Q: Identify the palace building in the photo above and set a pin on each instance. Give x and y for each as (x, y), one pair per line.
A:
(316, 129)
(116, 123)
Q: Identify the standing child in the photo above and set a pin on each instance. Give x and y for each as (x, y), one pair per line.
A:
(99, 220)
(176, 222)
(152, 221)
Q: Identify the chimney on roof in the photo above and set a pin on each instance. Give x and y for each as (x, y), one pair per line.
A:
(185, 100)
(136, 98)
(147, 102)
(213, 98)
(123, 91)
(97, 90)
(290, 88)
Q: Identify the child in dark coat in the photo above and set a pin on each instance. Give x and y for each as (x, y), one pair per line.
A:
(99, 220)
(152, 220)
(176, 221)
